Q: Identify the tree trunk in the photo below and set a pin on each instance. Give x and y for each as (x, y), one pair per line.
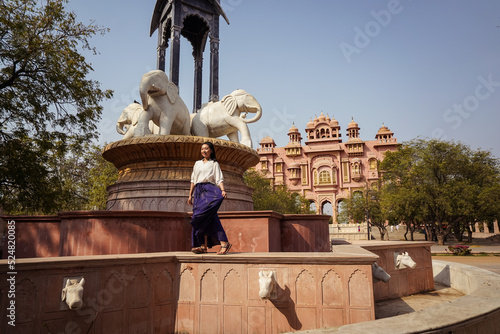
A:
(458, 230)
(440, 239)
(382, 232)
(412, 230)
(428, 232)
(469, 233)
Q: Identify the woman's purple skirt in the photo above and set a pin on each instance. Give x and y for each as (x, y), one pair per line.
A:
(207, 199)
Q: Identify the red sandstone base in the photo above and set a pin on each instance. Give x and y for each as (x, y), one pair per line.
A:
(131, 232)
(188, 293)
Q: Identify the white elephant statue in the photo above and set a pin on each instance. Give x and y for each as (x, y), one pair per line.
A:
(162, 105)
(227, 117)
(127, 122)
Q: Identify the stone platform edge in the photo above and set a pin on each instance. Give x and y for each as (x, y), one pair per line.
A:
(349, 255)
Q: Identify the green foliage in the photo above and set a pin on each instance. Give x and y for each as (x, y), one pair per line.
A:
(278, 198)
(102, 174)
(48, 109)
(441, 184)
(75, 179)
(363, 205)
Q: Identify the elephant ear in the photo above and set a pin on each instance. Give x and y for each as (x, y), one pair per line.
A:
(172, 92)
(229, 102)
(136, 113)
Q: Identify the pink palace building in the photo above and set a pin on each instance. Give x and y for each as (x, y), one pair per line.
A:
(324, 169)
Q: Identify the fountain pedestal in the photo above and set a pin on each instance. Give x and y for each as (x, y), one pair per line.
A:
(155, 172)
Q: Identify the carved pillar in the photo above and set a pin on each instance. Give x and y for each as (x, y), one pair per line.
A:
(495, 227)
(214, 69)
(161, 49)
(175, 52)
(486, 228)
(198, 76)
(476, 229)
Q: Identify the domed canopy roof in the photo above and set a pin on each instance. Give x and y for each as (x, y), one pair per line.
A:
(334, 122)
(384, 130)
(322, 118)
(267, 140)
(352, 124)
(310, 125)
(293, 129)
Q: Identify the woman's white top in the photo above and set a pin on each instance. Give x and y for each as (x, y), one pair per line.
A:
(207, 172)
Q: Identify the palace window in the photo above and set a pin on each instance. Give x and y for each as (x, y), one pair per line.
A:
(264, 165)
(345, 171)
(304, 173)
(325, 177)
(279, 167)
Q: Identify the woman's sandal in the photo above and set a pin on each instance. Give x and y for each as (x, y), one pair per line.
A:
(224, 249)
(199, 250)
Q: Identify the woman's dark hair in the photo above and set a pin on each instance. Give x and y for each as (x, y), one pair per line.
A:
(212, 150)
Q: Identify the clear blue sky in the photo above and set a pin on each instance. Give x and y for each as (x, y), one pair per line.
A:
(424, 68)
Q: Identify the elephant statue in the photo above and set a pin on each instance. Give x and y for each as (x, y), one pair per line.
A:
(162, 105)
(227, 117)
(127, 122)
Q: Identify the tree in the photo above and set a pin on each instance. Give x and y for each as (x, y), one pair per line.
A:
(46, 102)
(277, 198)
(102, 174)
(443, 185)
(364, 205)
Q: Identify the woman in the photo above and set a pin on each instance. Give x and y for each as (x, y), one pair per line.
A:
(206, 195)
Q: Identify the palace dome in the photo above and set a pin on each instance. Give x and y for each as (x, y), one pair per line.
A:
(334, 122)
(267, 140)
(352, 124)
(293, 129)
(310, 125)
(384, 130)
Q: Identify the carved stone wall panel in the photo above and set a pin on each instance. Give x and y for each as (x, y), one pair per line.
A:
(332, 289)
(283, 319)
(333, 317)
(164, 288)
(209, 287)
(209, 319)
(26, 300)
(185, 318)
(359, 289)
(186, 286)
(306, 318)
(256, 320)
(305, 288)
(233, 294)
(164, 316)
(138, 320)
(233, 319)
(112, 322)
(139, 292)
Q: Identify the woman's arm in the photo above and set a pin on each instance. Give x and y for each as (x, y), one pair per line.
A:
(190, 198)
(221, 186)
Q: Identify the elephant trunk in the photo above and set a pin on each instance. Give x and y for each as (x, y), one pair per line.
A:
(143, 90)
(120, 128)
(256, 117)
